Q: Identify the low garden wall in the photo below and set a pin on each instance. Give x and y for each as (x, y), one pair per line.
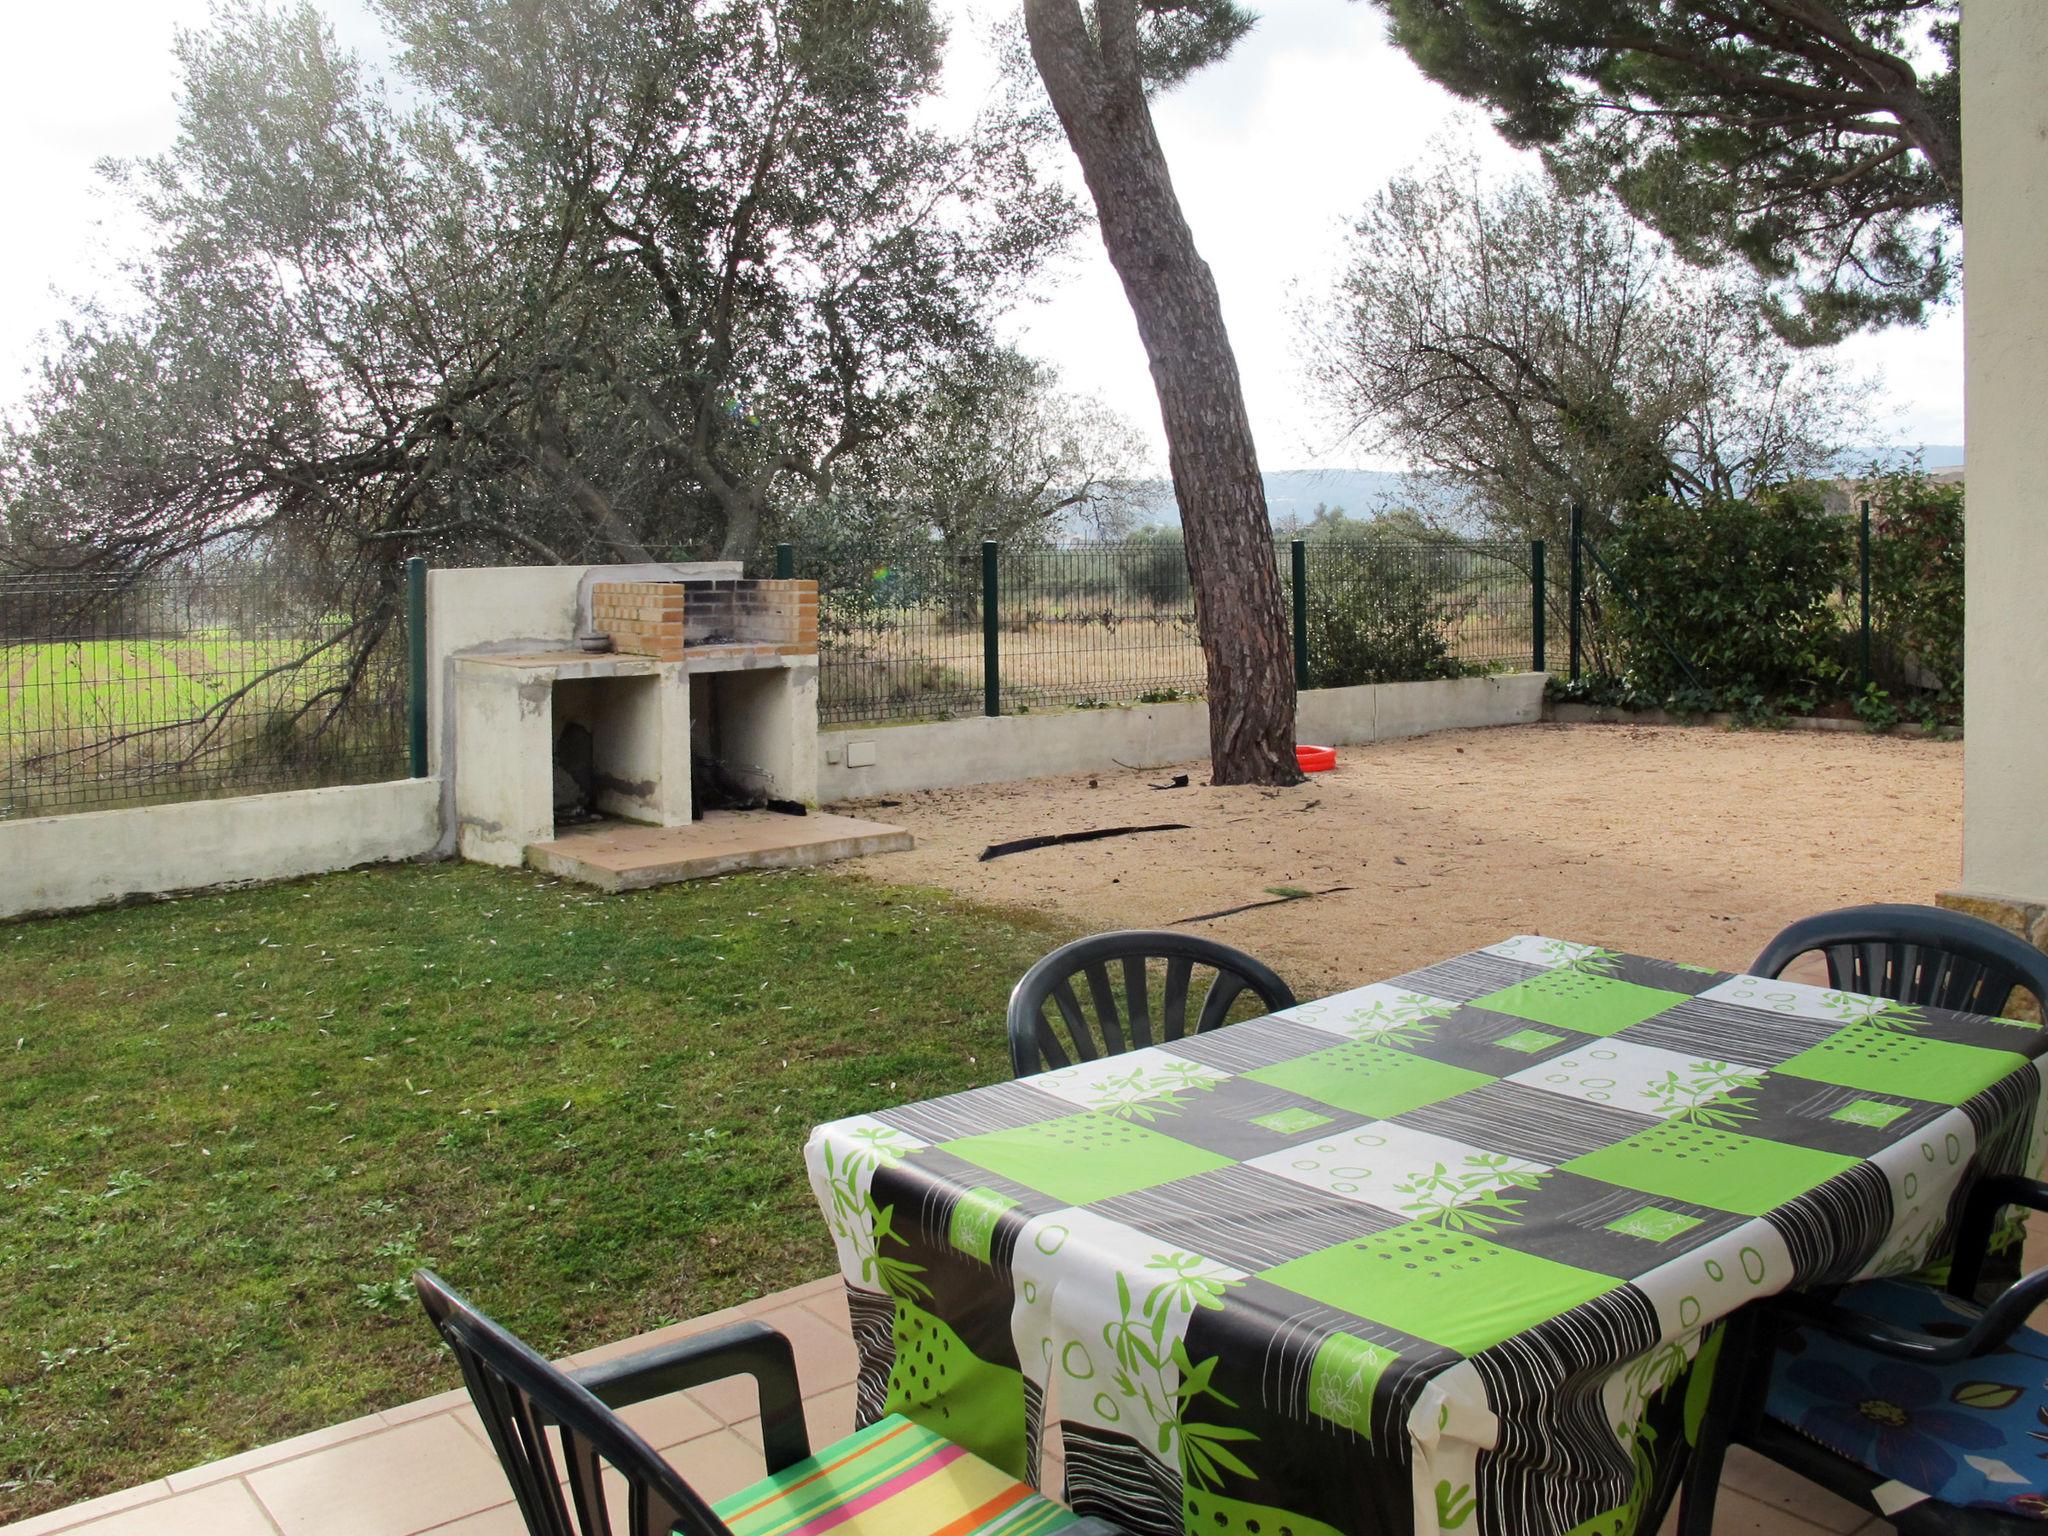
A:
(992, 749)
(55, 863)
(60, 863)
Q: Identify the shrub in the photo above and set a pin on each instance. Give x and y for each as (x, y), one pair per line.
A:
(1388, 624)
(1916, 579)
(1744, 591)
(1156, 567)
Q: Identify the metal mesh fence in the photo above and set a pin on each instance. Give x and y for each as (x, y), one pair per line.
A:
(180, 686)
(901, 633)
(1097, 624)
(1397, 613)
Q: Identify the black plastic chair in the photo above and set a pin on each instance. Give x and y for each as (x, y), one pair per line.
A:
(1923, 955)
(521, 1396)
(1124, 1018)
(1739, 1406)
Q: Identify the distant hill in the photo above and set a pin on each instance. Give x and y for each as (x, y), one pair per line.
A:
(1364, 493)
(1932, 456)
(1296, 493)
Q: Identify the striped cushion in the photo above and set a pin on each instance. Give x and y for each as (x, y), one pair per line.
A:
(894, 1478)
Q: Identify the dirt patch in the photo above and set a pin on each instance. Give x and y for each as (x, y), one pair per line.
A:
(1689, 844)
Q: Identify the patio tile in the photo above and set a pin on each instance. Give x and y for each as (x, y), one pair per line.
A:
(1736, 1514)
(269, 1455)
(395, 1483)
(666, 1421)
(1786, 1494)
(825, 1356)
(828, 1416)
(717, 1464)
(91, 1509)
(220, 1509)
(504, 1520)
(831, 1306)
(440, 1402)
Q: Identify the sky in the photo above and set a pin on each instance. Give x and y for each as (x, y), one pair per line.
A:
(1271, 151)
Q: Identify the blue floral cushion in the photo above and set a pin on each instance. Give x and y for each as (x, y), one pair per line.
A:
(1973, 1434)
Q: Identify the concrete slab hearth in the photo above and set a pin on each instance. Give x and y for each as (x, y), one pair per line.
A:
(624, 856)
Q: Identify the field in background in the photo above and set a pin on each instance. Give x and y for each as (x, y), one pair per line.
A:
(179, 688)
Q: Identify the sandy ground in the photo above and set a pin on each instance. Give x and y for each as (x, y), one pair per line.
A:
(1686, 843)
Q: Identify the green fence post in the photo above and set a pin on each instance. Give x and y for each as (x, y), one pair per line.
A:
(1578, 534)
(1298, 556)
(1863, 561)
(416, 658)
(1539, 598)
(785, 561)
(991, 666)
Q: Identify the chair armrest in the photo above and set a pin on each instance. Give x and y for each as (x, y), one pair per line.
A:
(1987, 1198)
(2000, 1320)
(744, 1349)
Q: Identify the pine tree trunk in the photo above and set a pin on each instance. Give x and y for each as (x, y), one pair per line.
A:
(1098, 91)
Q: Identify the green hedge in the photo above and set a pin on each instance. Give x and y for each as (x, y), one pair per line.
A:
(1747, 592)
(1751, 605)
(1916, 583)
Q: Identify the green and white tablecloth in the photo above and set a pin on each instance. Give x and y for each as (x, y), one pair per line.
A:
(1432, 1255)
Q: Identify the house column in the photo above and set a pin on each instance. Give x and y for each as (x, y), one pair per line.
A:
(2005, 719)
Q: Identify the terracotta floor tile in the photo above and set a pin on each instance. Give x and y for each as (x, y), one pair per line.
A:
(2034, 1254)
(219, 1509)
(831, 1306)
(440, 1402)
(717, 1464)
(1736, 1514)
(728, 1400)
(392, 1484)
(828, 1416)
(1788, 1495)
(505, 1520)
(666, 1421)
(89, 1509)
(270, 1455)
(825, 1356)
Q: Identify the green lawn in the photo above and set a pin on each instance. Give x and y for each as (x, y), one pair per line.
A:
(234, 1123)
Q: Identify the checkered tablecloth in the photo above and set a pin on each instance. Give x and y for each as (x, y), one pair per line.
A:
(1432, 1255)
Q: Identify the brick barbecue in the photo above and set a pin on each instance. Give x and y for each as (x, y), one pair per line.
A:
(664, 619)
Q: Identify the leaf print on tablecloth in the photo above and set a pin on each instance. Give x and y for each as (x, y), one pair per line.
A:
(1592, 960)
(1146, 1093)
(1454, 1506)
(1854, 1008)
(1403, 1024)
(860, 1222)
(1471, 1201)
(1707, 1093)
(1156, 1375)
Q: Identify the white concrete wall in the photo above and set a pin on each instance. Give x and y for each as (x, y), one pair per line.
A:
(868, 760)
(2005, 393)
(56, 863)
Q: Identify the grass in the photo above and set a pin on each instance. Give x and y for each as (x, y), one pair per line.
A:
(236, 1122)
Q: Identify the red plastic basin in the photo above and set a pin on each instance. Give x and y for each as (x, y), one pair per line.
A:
(1316, 759)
